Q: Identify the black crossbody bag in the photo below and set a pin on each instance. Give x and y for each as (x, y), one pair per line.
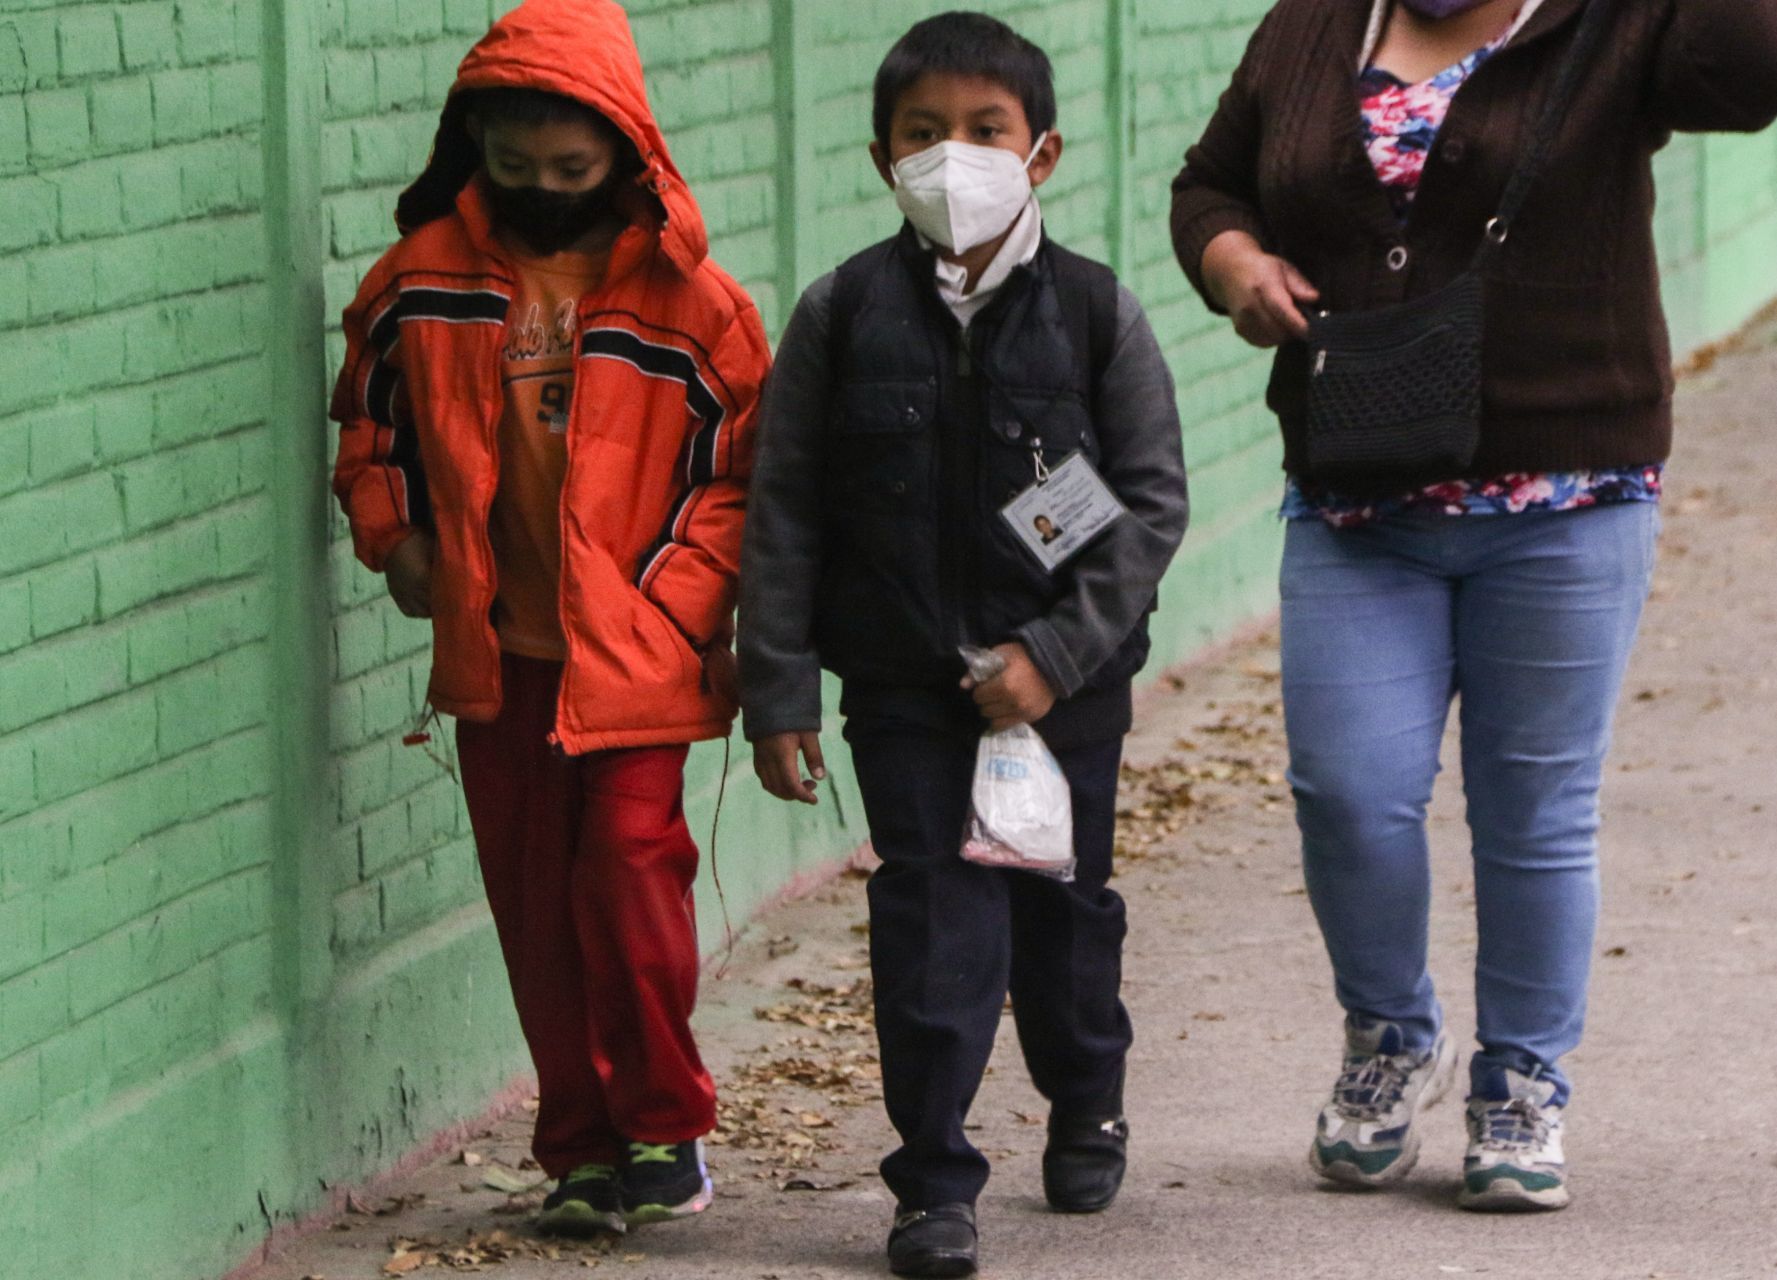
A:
(1396, 392)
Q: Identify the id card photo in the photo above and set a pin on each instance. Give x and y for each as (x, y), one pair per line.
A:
(1056, 519)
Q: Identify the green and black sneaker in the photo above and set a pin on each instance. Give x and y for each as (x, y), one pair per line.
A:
(663, 1181)
(588, 1202)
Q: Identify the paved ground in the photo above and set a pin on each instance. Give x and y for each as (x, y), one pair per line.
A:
(1673, 1137)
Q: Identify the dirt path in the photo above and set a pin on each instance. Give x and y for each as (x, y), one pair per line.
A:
(1673, 1135)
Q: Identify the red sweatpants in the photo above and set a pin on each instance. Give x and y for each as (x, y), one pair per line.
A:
(588, 865)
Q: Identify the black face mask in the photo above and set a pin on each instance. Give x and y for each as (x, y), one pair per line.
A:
(550, 221)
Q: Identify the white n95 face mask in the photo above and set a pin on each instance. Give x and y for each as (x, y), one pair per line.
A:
(960, 195)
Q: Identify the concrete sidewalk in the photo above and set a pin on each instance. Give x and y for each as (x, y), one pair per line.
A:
(1673, 1132)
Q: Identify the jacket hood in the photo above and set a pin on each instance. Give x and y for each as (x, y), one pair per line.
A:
(579, 49)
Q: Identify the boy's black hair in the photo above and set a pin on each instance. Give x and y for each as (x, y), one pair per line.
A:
(456, 157)
(530, 107)
(533, 107)
(966, 44)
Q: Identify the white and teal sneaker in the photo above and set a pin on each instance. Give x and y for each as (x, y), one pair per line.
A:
(1367, 1134)
(1514, 1162)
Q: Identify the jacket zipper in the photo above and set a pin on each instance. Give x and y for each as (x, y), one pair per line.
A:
(489, 635)
(561, 518)
(953, 528)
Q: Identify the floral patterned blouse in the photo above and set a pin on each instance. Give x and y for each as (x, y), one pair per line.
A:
(1401, 123)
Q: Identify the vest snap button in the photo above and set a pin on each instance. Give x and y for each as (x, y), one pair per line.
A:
(912, 415)
(1454, 150)
(898, 487)
(1013, 431)
(1398, 258)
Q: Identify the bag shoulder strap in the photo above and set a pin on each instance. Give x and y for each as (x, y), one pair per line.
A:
(1087, 292)
(1574, 65)
(851, 282)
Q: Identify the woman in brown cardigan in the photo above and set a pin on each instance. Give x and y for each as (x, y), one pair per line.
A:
(1353, 163)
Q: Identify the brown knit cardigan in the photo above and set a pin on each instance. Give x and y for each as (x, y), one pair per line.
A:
(1577, 363)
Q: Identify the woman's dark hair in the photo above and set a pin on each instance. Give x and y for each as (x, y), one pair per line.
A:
(966, 44)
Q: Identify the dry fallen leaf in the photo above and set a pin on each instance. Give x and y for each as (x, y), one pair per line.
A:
(470, 1158)
(390, 1206)
(500, 1178)
(402, 1263)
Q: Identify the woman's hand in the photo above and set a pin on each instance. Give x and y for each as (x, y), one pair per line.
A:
(1263, 293)
(409, 574)
(774, 760)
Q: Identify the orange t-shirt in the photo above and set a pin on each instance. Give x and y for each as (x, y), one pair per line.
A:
(537, 375)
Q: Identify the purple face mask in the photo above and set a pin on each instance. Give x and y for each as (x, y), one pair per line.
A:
(1435, 9)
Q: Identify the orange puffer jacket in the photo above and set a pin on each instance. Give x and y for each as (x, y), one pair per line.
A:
(672, 355)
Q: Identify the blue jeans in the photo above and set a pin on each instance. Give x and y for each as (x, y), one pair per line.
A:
(1530, 618)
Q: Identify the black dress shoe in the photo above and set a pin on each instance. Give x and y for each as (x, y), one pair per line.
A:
(1084, 1162)
(933, 1243)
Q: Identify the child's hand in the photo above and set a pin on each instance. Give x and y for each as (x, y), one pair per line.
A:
(409, 574)
(774, 760)
(721, 673)
(1018, 695)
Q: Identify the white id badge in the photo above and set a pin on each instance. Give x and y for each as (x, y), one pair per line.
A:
(1055, 518)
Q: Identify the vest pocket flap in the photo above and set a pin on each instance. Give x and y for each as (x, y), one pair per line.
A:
(1057, 418)
(887, 407)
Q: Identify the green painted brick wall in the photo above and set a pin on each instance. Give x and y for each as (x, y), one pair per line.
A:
(243, 956)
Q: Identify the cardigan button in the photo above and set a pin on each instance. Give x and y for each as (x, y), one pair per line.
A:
(911, 416)
(1398, 257)
(1013, 431)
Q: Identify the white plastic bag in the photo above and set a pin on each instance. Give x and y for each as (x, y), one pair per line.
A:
(1022, 815)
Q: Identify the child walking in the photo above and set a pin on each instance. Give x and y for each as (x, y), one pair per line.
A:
(920, 390)
(545, 416)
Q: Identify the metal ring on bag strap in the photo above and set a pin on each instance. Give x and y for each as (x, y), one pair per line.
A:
(1591, 33)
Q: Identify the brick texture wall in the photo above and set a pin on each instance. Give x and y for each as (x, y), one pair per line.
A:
(242, 951)
(134, 771)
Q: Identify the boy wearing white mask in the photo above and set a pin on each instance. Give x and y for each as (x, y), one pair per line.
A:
(920, 391)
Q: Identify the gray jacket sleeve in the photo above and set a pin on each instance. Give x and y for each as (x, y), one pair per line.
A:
(1115, 579)
(780, 673)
